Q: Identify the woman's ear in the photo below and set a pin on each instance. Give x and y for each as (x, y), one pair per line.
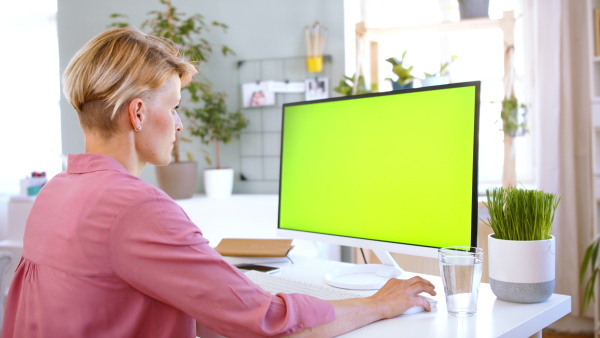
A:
(136, 113)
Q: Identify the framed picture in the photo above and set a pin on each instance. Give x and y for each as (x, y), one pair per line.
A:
(317, 88)
(257, 94)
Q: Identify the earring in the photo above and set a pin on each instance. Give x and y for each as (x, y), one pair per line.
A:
(138, 128)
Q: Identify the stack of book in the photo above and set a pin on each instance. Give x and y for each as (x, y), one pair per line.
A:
(251, 250)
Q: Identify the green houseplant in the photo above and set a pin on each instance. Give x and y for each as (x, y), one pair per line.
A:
(520, 214)
(590, 263)
(179, 178)
(405, 78)
(514, 117)
(522, 248)
(346, 86)
(212, 123)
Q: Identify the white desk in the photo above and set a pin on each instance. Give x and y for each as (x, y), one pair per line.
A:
(247, 216)
(239, 216)
(255, 216)
(494, 318)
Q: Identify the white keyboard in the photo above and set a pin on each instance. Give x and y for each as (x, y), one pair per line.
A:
(275, 284)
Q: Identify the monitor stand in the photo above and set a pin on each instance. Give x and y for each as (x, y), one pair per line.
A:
(365, 276)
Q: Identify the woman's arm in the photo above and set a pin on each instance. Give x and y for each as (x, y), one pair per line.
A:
(395, 297)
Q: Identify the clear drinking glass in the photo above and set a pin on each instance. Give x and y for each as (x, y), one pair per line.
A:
(460, 268)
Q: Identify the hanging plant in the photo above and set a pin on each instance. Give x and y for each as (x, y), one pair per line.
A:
(513, 113)
(514, 117)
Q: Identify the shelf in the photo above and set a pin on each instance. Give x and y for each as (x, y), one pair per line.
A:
(444, 27)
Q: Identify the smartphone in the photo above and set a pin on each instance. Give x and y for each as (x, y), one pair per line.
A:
(257, 267)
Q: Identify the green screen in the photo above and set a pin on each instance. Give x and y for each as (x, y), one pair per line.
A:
(396, 167)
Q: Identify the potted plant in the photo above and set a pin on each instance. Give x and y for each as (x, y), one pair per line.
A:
(470, 9)
(439, 77)
(405, 78)
(522, 248)
(347, 87)
(179, 178)
(212, 123)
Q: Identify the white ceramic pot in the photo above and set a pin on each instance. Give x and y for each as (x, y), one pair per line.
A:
(218, 183)
(434, 81)
(522, 271)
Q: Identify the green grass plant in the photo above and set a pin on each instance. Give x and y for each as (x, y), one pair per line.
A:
(521, 214)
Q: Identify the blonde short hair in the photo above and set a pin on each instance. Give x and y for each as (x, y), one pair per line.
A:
(115, 67)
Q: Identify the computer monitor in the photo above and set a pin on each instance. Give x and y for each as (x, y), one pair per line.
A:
(392, 172)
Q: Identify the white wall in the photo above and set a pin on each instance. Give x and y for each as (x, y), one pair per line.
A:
(257, 29)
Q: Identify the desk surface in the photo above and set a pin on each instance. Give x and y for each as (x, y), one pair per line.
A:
(494, 318)
(255, 216)
(247, 216)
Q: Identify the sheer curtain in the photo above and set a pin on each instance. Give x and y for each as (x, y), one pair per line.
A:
(30, 130)
(562, 100)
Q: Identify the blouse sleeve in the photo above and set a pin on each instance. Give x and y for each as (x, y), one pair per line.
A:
(156, 249)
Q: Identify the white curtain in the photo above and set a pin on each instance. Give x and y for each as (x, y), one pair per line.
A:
(561, 99)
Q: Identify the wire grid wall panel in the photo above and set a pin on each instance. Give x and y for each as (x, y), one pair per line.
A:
(260, 142)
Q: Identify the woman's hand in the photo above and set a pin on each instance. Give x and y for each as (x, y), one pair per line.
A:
(395, 297)
(399, 295)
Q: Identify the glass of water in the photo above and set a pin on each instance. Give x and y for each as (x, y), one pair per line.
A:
(460, 267)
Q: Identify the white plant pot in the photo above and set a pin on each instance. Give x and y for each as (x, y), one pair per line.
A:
(522, 271)
(434, 81)
(218, 183)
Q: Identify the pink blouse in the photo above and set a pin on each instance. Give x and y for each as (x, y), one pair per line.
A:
(109, 255)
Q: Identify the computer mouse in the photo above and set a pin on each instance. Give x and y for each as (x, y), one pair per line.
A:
(417, 309)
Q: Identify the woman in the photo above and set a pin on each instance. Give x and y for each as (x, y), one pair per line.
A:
(109, 255)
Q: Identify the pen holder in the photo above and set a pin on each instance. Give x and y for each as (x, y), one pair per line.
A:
(314, 64)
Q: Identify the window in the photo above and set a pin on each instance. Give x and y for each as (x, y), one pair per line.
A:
(29, 92)
(416, 27)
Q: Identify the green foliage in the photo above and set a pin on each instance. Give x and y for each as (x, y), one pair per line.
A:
(513, 118)
(443, 71)
(346, 86)
(208, 113)
(404, 74)
(592, 262)
(185, 32)
(520, 214)
(212, 122)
